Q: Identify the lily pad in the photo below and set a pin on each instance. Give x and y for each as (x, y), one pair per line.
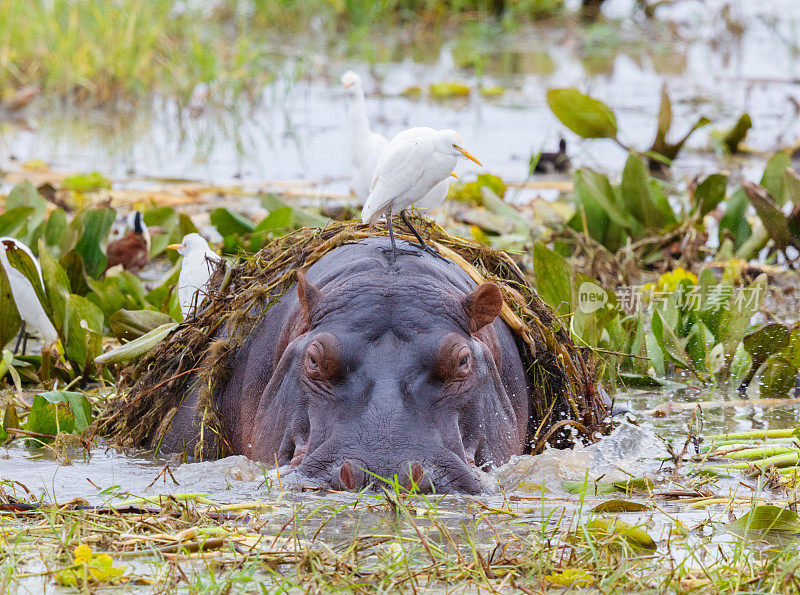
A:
(616, 529)
(763, 520)
(620, 506)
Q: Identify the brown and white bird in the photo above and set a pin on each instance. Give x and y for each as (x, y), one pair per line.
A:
(132, 250)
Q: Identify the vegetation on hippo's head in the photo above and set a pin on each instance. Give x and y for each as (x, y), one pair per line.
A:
(558, 390)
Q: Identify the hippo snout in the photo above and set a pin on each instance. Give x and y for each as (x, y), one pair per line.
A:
(355, 475)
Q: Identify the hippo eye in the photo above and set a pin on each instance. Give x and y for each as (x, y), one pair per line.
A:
(464, 362)
(322, 358)
(455, 359)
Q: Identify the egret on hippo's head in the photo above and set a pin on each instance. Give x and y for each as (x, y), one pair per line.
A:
(415, 162)
(199, 262)
(27, 301)
(366, 146)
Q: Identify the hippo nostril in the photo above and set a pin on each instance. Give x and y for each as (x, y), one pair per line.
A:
(416, 472)
(351, 476)
(417, 478)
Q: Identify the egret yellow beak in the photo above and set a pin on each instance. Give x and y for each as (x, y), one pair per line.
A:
(348, 85)
(467, 154)
(175, 246)
(455, 175)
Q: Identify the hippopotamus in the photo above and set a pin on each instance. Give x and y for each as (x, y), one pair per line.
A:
(370, 369)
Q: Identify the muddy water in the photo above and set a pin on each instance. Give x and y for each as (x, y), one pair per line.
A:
(716, 61)
(634, 449)
(296, 131)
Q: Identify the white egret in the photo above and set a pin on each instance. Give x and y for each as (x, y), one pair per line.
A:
(28, 305)
(366, 145)
(415, 162)
(199, 261)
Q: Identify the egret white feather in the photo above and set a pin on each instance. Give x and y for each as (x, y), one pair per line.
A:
(366, 145)
(414, 163)
(199, 262)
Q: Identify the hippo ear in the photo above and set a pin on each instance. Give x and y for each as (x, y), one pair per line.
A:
(309, 296)
(482, 306)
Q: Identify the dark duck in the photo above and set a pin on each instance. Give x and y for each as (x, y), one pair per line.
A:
(557, 162)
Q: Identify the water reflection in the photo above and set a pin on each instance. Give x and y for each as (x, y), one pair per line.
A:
(744, 58)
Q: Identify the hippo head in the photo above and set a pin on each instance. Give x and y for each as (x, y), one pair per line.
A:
(387, 374)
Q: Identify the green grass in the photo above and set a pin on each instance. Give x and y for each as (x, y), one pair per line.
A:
(388, 542)
(123, 49)
(102, 50)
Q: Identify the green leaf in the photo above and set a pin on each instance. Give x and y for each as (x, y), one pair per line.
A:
(25, 194)
(59, 411)
(770, 213)
(661, 146)
(55, 231)
(83, 183)
(128, 325)
(734, 219)
(620, 506)
(83, 329)
(10, 321)
(302, 217)
(595, 188)
(96, 225)
(773, 178)
(553, 276)
(709, 193)
(20, 260)
(762, 520)
(57, 287)
(656, 354)
(767, 340)
(230, 223)
(137, 347)
(637, 195)
(593, 488)
(72, 263)
(734, 137)
(607, 487)
(278, 221)
(586, 117)
(669, 342)
(778, 377)
(640, 380)
(14, 219)
(615, 528)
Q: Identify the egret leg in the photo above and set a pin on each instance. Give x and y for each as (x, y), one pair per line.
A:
(391, 235)
(422, 243)
(19, 339)
(25, 343)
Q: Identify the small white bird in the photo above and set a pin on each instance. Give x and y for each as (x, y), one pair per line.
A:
(366, 145)
(199, 262)
(28, 305)
(415, 162)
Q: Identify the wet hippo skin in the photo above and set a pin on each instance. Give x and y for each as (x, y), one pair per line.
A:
(377, 369)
